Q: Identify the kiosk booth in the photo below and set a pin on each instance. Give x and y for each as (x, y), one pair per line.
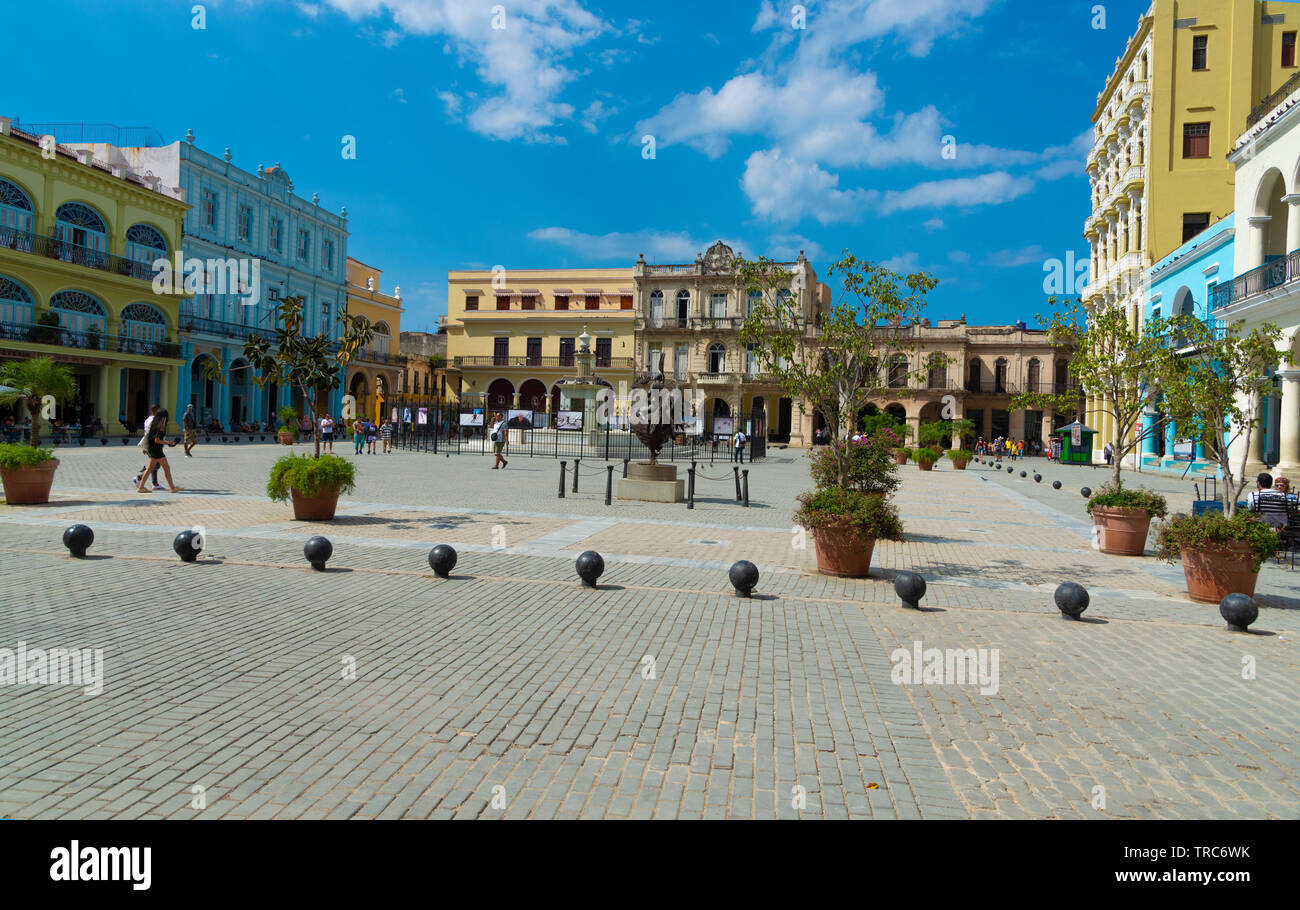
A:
(1075, 443)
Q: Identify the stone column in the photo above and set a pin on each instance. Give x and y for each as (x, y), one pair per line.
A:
(1289, 424)
(109, 399)
(1292, 221)
(1258, 233)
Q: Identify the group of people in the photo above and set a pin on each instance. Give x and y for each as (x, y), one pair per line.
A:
(366, 434)
(1272, 500)
(1004, 447)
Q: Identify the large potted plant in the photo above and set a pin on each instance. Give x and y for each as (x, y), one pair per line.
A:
(1220, 556)
(926, 457)
(902, 454)
(314, 484)
(835, 365)
(1122, 518)
(288, 430)
(960, 458)
(28, 470)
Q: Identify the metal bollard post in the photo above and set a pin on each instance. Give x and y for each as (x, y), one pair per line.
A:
(746, 485)
(576, 461)
(563, 465)
(609, 484)
(736, 471)
(625, 461)
(690, 488)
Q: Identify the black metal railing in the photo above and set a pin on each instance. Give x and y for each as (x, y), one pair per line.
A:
(1266, 277)
(201, 325)
(1267, 104)
(53, 248)
(88, 340)
(497, 360)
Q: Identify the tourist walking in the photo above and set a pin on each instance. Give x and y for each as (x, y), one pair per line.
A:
(498, 441)
(738, 447)
(327, 432)
(386, 434)
(190, 426)
(143, 445)
(156, 438)
(372, 435)
(358, 435)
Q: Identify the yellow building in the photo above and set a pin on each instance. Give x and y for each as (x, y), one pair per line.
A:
(1179, 95)
(373, 378)
(78, 239)
(512, 334)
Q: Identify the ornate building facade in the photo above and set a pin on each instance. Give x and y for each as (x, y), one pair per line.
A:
(373, 378)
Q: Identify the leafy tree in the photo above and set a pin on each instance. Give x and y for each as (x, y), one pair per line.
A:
(1124, 367)
(32, 382)
(437, 361)
(1215, 395)
(940, 432)
(308, 363)
(841, 358)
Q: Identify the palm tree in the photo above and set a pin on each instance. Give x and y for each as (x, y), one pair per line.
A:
(37, 382)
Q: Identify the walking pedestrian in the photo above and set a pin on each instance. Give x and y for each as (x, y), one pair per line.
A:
(738, 447)
(358, 435)
(386, 434)
(143, 445)
(498, 441)
(190, 425)
(156, 437)
(327, 432)
(372, 435)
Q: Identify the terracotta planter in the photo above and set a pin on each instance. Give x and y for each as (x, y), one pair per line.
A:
(1214, 574)
(314, 508)
(958, 465)
(29, 486)
(925, 465)
(900, 459)
(1121, 532)
(843, 552)
(286, 439)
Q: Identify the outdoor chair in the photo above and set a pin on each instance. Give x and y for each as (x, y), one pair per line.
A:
(1290, 533)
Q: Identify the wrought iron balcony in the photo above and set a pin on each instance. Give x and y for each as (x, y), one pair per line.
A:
(1266, 277)
(87, 341)
(495, 360)
(53, 248)
(200, 325)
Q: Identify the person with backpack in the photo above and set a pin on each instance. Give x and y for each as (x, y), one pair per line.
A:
(738, 447)
(498, 441)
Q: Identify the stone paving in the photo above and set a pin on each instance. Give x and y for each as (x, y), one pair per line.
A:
(378, 690)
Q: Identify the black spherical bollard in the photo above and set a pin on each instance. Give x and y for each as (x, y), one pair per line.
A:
(1012, 471)
(910, 587)
(188, 545)
(124, 440)
(442, 559)
(744, 577)
(1071, 599)
(81, 442)
(103, 441)
(1024, 473)
(590, 566)
(78, 539)
(1038, 478)
(1056, 485)
(1086, 492)
(318, 551)
(1239, 611)
(997, 466)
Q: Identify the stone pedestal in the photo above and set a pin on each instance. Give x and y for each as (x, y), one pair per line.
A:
(652, 483)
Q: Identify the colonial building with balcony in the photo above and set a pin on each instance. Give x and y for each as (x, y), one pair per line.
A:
(976, 369)
(689, 318)
(78, 239)
(423, 380)
(300, 250)
(512, 334)
(373, 377)
(1266, 289)
(1181, 91)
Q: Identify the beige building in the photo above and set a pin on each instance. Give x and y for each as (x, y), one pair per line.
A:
(424, 378)
(977, 369)
(689, 317)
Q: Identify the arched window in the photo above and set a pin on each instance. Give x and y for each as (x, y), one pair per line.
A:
(15, 217)
(144, 323)
(79, 312)
(717, 359)
(656, 308)
(145, 244)
(937, 372)
(1000, 375)
(81, 226)
(898, 371)
(975, 373)
(755, 298)
(1034, 370)
(718, 306)
(683, 307)
(382, 338)
(16, 305)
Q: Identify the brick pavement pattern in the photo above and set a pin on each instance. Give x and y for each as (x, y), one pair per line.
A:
(376, 690)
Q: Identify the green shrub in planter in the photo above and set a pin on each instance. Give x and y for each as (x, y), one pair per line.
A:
(926, 455)
(288, 420)
(960, 454)
(1211, 531)
(310, 476)
(1108, 497)
(18, 455)
(904, 452)
(869, 513)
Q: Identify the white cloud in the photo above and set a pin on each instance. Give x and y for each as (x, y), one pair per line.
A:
(594, 113)
(784, 189)
(400, 95)
(1012, 259)
(840, 24)
(621, 246)
(451, 102)
(960, 257)
(524, 62)
(959, 192)
(933, 224)
(786, 247)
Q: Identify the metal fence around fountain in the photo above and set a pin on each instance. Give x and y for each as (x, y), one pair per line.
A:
(444, 433)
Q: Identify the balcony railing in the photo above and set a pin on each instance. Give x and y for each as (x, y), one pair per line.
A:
(1266, 277)
(493, 360)
(1267, 104)
(87, 341)
(1179, 340)
(53, 248)
(201, 325)
(370, 355)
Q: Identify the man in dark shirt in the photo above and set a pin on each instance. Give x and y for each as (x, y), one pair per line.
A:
(1268, 503)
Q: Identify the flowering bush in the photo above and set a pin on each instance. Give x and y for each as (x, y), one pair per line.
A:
(867, 463)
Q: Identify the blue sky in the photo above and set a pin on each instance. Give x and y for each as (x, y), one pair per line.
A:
(523, 145)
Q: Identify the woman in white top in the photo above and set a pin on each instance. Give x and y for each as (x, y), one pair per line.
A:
(498, 438)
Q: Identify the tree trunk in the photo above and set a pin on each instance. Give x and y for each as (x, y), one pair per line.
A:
(34, 411)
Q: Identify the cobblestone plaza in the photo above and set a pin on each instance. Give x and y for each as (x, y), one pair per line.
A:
(253, 686)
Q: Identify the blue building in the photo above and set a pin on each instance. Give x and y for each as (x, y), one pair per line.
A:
(1182, 284)
(272, 244)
